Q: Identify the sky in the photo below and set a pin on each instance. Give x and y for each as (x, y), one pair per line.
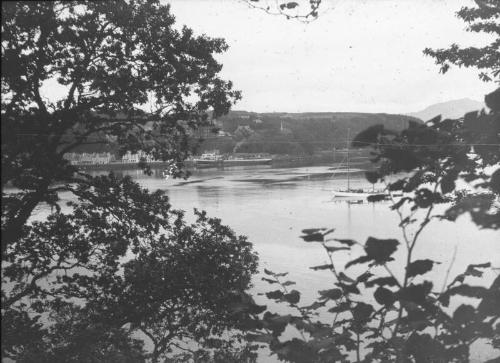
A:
(359, 55)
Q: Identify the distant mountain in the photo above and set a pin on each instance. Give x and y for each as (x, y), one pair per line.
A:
(450, 109)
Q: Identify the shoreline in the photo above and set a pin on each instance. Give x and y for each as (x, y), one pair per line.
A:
(277, 161)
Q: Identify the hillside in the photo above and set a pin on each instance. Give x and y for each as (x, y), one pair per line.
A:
(295, 133)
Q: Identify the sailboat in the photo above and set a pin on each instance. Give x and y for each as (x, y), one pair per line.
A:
(349, 192)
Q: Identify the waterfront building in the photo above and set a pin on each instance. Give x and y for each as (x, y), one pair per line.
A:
(134, 158)
(89, 158)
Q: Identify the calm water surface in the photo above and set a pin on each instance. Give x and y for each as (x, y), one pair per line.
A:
(272, 205)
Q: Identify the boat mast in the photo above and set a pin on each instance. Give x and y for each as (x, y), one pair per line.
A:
(348, 166)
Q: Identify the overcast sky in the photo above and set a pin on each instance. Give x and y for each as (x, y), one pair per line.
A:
(360, 55)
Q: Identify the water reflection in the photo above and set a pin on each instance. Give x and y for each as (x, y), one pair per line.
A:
(208, 196)
(272, 206)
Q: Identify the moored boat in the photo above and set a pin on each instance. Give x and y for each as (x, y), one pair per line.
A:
(208, 159)
(214, 159)
(354, 193)
(247, 159)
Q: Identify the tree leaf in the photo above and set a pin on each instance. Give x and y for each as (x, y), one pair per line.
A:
(348, 289)
(380, 250)
(364, 277)
(276, 294)
(281, 274)
(343, 277)
(358, 260)
(269, 280)
(419, 267)
(332, 294)
(340, 308)
(313, 230)
(315, 234)
(384, 296)
(362, 312)
(464, 314)
(316, 305)
(335, 249)
(480, 265)
(293, 297)
(313, 237)
(415, 293)
(348, 242)
(268, 272)
(321, 267)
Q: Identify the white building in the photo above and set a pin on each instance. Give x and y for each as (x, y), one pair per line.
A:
(130, 158)
(88, 158)
(136, 157)
(102, 158)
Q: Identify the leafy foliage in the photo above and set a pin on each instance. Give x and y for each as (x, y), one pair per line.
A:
(127, 258)
(116, 259)
(373, 315)
(483, 18)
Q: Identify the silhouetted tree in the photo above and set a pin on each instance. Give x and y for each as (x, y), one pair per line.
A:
(116, 259)
(107, 58)
(127, 259)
